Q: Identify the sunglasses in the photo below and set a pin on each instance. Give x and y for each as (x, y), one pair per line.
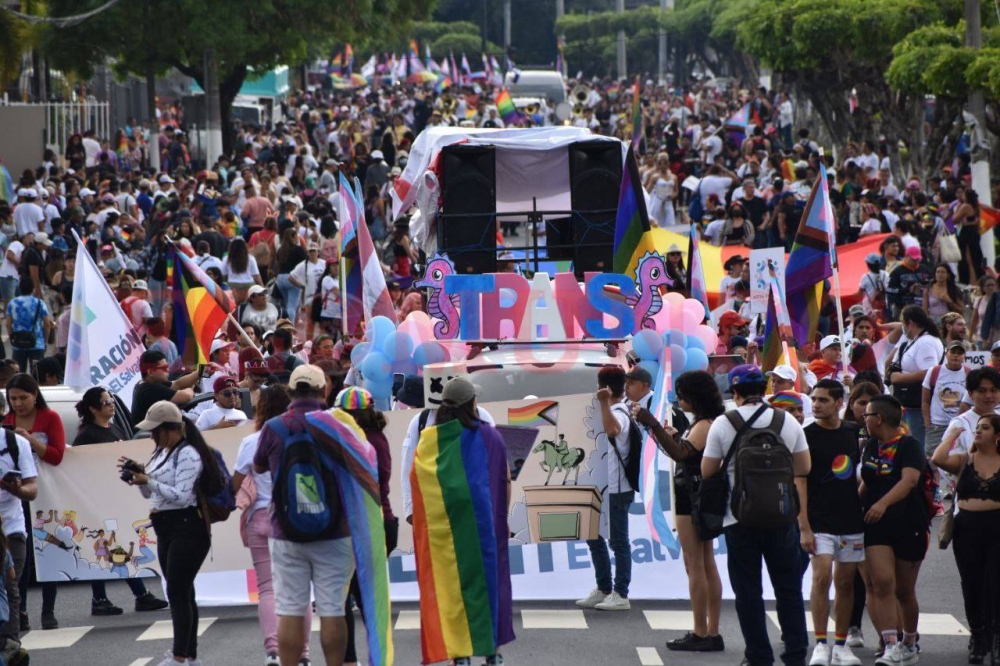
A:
(228, 394)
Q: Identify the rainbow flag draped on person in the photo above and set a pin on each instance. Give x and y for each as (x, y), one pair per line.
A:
(505, 107)
(696, 272)
(810, 262)
(201, 307)
(534, 415)
(632, 220)
(636, 116)
(455, 545)
(356, 469)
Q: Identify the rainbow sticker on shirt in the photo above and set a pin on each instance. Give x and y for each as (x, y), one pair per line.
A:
(885, 461)
(842, 467)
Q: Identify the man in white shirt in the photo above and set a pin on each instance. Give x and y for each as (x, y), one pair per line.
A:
(9, 271)
(943, 387)
(983, 387)
(223, 414)
(28, 215)
(750, 548)
(15, 455)
(49, 210)
(308, 273)
(615, 425)
(92, 147)
(717, 181)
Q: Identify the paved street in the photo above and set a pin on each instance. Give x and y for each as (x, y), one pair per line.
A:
(548, 632)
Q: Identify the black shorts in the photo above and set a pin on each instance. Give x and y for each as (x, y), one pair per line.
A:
(683, 492)
(908, 543)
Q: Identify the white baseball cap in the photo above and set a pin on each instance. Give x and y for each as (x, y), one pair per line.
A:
(256, 289)
(164, 178)
(785, 372)
(829, 341)
(308, 374)
(218, 344)
(377, 155)
(86, 192)
(161, 412)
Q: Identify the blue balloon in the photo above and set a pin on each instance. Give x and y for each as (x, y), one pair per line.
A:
(379, 390)
(378, 329)
(696, 360)
(678, 358)
(695, 343)
(376, 367)
(647, 344)
(404, 366)
(429, 352)
(675, 337)
(398, 346)
(652, 367)
(359, 352)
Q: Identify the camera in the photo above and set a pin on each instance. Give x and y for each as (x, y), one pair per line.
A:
(893, 367)
(129, 469)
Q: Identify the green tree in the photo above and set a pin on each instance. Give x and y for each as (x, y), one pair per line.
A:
(155, 35)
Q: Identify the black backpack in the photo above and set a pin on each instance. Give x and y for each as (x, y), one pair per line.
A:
(764, 495)
(631, 464)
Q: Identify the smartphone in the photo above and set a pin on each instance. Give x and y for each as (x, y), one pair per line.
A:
(204, 371)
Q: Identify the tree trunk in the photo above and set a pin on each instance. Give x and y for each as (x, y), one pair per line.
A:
(229, 87)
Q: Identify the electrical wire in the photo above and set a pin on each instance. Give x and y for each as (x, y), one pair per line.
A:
(60, 21)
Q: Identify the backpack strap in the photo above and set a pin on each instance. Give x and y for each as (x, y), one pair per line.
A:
(12, 448)
(422, 420)
(935, 373)
(741, 426)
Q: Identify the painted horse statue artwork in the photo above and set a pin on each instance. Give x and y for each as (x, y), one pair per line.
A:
(560, 458)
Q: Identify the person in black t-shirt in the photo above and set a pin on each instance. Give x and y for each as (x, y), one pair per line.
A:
(896, 526)
(832, 525)
(155, 386)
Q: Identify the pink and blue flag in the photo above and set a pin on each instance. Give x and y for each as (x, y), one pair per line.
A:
(350, 272)
(649, 472)
(696, 276)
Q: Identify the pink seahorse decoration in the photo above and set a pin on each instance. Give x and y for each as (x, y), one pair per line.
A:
(651, 274)
(440, 305)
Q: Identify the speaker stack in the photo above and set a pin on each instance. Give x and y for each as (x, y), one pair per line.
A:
(467, 227)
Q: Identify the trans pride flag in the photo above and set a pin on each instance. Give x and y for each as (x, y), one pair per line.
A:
(696, 271)
(811, 261)
(649, 469)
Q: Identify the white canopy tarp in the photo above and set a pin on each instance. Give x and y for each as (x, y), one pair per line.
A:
(530, 162)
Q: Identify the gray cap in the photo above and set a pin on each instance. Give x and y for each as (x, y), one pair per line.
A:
(458, 391)
(640, 374)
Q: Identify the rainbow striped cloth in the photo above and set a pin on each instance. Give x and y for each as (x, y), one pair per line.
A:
(505, 107)
(455, 544)
(357, 476)
(200, 306)
(534, 415)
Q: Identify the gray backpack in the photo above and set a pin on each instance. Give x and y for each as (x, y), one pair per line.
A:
(764, 495)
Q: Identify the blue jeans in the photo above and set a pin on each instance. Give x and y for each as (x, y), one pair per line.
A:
(618, 505)
(291, 294)
(914, 420)
(8, 287)
(22, 356)
(779, 550)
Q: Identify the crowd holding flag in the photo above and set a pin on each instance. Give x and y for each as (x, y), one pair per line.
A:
(201, 307)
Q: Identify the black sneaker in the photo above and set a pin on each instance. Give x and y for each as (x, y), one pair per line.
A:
(104, 607)
(693, 643)
(149, 602)
(20, 658)
(718, 645)
(25, 623)
(49, 620)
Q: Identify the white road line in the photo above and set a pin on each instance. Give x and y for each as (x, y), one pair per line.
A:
(553, 619)
(669, 620)
(930, 624)
(163, 629)
(141, 661)
(648, 656)
(408, 620)
(53, 638)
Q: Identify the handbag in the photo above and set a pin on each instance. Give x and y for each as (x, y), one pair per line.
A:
(708, 510)
(27, 339)
(950, 253)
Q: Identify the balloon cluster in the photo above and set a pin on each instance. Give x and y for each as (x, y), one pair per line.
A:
(690, 342)
(388, 349)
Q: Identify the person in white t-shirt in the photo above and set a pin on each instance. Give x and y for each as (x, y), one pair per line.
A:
(943, 387)
(18, 489)
(9, 271)
(308, 273)
(223, 414)
(747, 546)
(28, 215)
(911, 361)
(717, 182)
(983, 387)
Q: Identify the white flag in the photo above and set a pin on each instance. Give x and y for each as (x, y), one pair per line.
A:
(104, 348)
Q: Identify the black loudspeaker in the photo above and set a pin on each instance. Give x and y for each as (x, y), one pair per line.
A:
(467, 226)
(559, 241)
(595, 176)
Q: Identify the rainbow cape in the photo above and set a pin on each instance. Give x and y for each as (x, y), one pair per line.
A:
(632, 219)
(455, 544)
(201, 307)
(534, 415)
(356, 469)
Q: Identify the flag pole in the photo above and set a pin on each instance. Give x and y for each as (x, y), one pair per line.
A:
(243, 333)
(835, 265)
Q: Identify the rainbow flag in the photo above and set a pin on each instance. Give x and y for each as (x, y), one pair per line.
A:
(696, 272)
(649, 468)
(356, 469)
(414, 50)
(988, 218)
(810, 262)
(636, 116)
(201, 307)
(351, 281)
(454, 544)
(777, 327)
(632, 220)
(505, 107)
(534, 415)
(348, 61)
(337, 63)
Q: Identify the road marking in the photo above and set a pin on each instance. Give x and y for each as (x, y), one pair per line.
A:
(408, 620)
(930, 624)
(141, 661)
(553, 619)
(163, 629)
(314, 624)
(648, 656)
(53, 638)
(669, 620)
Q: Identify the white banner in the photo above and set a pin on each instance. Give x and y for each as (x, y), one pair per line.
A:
(103, 348)
(760, 278)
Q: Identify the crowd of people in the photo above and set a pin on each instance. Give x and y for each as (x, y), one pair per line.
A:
(263, 223)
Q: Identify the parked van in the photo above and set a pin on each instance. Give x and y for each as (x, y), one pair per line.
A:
(547, 84)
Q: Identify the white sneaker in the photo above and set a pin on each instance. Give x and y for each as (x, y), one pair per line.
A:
(614, 602)
(855, 638)
(168, 660)
(272, 660)
(842, 656)
(821, 655)
(594, 598)
(887, 654)
(906, 654)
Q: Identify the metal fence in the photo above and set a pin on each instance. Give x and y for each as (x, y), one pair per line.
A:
(64, 119)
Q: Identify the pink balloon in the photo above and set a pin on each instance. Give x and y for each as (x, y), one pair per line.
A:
(692, 320)
(676, 312)
(709, 337)
(662, 319)
(675, 299)
(695, 308)
(420, 325)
